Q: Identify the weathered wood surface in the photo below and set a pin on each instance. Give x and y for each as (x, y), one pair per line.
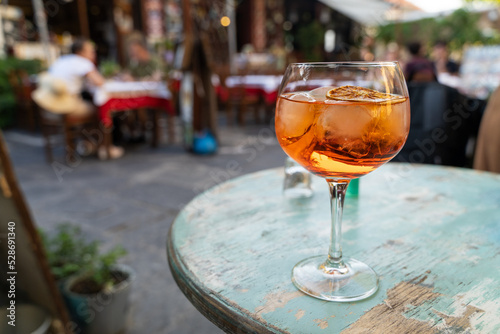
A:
(431, 233)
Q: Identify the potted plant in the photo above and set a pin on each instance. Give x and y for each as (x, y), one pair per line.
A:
(67, 251)
(95, 287)
(109, 68)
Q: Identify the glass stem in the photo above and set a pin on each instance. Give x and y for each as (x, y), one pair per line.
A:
(334, 263)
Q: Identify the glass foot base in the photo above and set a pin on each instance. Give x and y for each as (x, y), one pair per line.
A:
(356, 282)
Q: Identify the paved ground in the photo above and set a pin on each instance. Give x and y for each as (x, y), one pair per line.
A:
(133, 201)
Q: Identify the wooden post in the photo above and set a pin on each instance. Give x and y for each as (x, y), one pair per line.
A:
(186, 17)
(83, 18)
(231, 32)
(197, 64)
(2, 35)
(144, 16)
(259, 25)
(41, 23)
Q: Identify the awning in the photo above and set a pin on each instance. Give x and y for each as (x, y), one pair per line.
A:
(365, 12)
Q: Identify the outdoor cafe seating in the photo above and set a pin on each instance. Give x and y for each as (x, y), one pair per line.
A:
(245, 89)
(119, 96)
(112, 98)
(236, 96)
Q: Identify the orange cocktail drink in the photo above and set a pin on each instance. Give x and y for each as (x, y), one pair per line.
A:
(343, 132)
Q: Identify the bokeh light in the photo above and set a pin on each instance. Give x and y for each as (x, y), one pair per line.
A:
(225, 21)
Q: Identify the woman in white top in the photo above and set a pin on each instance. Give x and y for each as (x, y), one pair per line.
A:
(76, 68)
(66, 80)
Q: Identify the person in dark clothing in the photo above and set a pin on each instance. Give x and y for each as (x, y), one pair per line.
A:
(447, 70)
(419, 68)
(442, 61)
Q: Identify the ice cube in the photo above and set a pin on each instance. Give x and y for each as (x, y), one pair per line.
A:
(343, 122)
(398, 119)
(302, 97)
(294, 118)
(319, 94)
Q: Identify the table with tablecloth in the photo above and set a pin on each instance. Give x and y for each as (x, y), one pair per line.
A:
(118, 96)
(266, 86)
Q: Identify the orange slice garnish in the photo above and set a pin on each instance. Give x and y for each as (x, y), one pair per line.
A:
(361, 94)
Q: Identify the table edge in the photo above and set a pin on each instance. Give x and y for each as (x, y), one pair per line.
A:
(220, 312)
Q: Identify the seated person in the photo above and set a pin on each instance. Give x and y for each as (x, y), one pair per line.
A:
(419, 68)
(442, 61)
(433, 137)
(68, 75)
(446, 69)
(142, 65)
(71, 71)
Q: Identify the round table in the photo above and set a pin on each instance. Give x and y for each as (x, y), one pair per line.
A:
(431, 233)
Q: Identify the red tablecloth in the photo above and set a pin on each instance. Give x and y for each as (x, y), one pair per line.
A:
(265, 86)
(122, 104)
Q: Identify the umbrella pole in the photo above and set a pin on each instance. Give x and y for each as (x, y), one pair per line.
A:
(41, 23)
(2, 37)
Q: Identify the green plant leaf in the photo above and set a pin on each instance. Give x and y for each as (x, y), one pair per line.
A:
(69, 253)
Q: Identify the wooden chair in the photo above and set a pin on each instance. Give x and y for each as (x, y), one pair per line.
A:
(27, 116)
(70, 127)
(237, 97)
(173, 87)
(66, 124)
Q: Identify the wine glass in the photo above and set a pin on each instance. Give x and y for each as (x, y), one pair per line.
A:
(341, 121)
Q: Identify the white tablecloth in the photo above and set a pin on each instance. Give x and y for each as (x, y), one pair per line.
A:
(268, 83)
(121, 89)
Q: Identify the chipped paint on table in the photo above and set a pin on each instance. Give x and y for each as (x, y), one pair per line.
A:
(431, 233)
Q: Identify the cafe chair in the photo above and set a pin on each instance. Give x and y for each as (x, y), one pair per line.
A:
(63, 113)
(236, 97)
(242, 99)
(173, 86)
(27, 116)
(68, 130)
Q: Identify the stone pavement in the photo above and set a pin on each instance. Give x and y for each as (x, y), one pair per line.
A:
(133, 201)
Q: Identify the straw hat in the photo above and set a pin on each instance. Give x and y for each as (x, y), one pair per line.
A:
(52, 95)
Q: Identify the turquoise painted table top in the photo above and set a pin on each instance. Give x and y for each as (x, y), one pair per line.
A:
(431, 233)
